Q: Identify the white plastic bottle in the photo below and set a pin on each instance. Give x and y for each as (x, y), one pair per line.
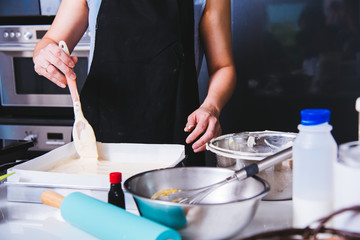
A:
(314, 152)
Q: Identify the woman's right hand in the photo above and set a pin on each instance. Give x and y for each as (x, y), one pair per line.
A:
(51, 61)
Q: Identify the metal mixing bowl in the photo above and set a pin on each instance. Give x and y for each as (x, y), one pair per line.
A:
(220, 215)
(237, 150)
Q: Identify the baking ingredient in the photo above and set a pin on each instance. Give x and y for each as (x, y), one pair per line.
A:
(251, 141)
(82, 166)
(309, 209)
(102, 167)
(314, 152)
(106, 221)
(83, 134)
(163, 193)
(116, 194)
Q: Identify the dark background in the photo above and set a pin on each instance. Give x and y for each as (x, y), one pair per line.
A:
(291, 55)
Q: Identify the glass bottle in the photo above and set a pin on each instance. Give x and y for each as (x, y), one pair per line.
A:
(116, 193)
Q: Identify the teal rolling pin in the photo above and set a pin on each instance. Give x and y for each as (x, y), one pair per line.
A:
(104, 220)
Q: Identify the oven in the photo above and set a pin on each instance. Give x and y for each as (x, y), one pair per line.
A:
(20, 85)
(32, 107)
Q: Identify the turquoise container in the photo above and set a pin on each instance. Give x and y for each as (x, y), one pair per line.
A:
(106, 221)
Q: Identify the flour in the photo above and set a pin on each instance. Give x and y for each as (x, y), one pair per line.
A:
(90, 166)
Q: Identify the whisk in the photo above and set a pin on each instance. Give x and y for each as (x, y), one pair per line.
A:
(195, 195)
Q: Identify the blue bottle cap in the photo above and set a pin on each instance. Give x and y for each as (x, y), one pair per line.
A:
(314, 116)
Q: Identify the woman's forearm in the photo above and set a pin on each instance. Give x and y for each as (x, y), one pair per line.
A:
(216, 37)
(221, 87)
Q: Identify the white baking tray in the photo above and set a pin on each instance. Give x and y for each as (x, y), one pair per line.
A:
(32, 178)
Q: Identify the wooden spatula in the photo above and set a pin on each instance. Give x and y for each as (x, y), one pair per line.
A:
(83, 133)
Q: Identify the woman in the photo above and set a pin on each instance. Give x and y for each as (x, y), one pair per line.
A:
(142, 83)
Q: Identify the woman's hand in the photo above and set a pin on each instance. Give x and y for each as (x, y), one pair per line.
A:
(69, 25)
(51, 61)
(215, 29)
(205, 125)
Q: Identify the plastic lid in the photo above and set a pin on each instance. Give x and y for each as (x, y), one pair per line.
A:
(115, 177)
(314, 116)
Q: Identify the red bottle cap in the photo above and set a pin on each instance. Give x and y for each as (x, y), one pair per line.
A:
(115, 177)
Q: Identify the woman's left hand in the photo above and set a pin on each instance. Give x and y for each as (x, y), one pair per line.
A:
(205, 122)
(215, 30)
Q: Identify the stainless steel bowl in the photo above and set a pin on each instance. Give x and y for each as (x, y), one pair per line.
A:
(220, 215)
(237, 150)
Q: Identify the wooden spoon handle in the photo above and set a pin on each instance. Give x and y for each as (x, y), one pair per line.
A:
(71, 82)
(73, 90)
(52, 199)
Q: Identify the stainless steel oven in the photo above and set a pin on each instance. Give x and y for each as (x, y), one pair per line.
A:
(32, 107)
(19, 84)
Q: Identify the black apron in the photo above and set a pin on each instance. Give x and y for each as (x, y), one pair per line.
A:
(142, 83)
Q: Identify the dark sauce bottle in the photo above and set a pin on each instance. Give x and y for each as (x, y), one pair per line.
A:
(116, 194)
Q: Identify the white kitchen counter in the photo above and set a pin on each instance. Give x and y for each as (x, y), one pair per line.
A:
(38, 221)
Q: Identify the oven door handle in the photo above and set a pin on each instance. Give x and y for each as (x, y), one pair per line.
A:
(31, 48)
(16, 48)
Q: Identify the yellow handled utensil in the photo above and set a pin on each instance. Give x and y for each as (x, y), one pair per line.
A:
(2, 177)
